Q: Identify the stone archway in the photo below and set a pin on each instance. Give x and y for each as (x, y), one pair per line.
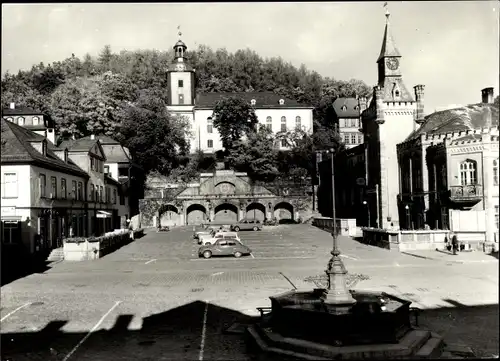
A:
(256, 210)
(225, 213)
(169, 215)
(283, 212)
(196, 214)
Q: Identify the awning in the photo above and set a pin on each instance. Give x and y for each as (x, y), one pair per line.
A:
(11, 218)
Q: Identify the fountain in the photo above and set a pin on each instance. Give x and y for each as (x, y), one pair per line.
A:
(337, 323)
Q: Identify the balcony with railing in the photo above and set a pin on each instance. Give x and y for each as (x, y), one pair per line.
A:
(466, 196)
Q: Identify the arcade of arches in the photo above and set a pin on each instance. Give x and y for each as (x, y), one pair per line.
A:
(222, 198)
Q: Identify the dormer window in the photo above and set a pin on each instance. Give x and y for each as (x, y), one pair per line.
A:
(253, 102)
(9, 119)
(20, 120)
(356, 107)
(282, 101)
(36, 121)
(344, 108)
(396, 92)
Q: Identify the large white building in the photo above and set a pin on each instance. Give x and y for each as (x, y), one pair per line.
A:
(273, 111)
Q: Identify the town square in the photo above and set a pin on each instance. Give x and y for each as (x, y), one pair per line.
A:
(203, 194)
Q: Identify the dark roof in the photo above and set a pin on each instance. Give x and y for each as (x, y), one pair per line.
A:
(350, 104)
(262, 100)
(21, 111)
(78, 145)
(469, 117)
(16, 148)
(388, 44)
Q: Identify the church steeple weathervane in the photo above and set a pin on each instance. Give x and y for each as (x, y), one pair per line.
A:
(388, 43)
(179, 47)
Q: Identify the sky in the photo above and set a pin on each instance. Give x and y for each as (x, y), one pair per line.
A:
(450, 47)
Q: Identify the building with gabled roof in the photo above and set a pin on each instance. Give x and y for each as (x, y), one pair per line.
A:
(50, 193)
(347, 119)
(273, 111)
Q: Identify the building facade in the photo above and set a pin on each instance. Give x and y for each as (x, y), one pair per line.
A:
(49, 193)
(347, 118)
(273, 111)
(449, 171)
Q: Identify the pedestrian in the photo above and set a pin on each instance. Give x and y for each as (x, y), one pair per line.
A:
(454, 244)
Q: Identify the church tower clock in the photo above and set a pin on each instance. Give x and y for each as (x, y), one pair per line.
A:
(180, 78)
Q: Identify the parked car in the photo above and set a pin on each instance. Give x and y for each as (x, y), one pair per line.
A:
(219, 235)
(224, 247)
(247, 225)
(205, 231)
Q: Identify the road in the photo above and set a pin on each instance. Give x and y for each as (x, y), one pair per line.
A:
(154, 299)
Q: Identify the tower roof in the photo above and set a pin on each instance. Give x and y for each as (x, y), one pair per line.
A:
(388, 43)
(180, 43)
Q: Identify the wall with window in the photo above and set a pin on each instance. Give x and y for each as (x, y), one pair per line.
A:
(207, 137)
(15, 186)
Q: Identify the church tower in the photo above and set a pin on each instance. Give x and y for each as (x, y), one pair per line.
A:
(180, 79)
(389, 120)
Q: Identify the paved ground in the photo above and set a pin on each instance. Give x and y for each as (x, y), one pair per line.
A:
(155, 300)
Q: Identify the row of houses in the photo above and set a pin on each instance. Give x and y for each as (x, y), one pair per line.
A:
(403, 169)
(81, 188)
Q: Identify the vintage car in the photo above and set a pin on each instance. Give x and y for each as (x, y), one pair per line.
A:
(247, 225)
(223, 247)
(219, 235)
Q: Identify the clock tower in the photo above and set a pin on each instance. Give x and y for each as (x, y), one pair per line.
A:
(180, 78)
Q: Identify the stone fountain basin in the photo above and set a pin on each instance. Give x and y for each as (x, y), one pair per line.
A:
(305, 315)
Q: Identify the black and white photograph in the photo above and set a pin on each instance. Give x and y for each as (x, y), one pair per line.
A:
(250, 181)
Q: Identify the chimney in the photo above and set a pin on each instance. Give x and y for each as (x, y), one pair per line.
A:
(487, 95)
(379, 103)
(362, 104)
(419, 96)
(92, 136)
(12, 105)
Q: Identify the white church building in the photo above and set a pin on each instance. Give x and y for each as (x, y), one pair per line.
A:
(272, 110)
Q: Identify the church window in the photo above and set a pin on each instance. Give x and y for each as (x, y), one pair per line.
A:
(468, 172)
(353, 138)
(181, 98)
(283, 124)
(252, 101)
(181, 83)
(210, 125)
(210, 143)
(269, 123)
(298, 123)
(495, 172)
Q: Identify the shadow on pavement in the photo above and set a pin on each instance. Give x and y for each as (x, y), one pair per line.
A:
(175, 334)
(18, 263)
(179, 334)
(494, 254)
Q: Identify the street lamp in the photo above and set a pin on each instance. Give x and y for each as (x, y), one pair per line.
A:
(337, 293)
(367, 212)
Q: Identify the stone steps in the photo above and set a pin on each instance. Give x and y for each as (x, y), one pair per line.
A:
(421, 344)
(57, 254)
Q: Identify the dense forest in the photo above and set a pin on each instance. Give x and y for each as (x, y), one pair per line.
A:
(124, 95)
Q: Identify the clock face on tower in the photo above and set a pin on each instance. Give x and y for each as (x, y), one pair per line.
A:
(392, 63)
(180, 67)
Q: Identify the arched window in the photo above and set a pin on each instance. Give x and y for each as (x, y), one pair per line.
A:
(495, 172)
(269, 123)
(36, 121)
(210, 125)
(283, 124)
(468, 172)
(20, 121)
(344, 108)
(298, 123)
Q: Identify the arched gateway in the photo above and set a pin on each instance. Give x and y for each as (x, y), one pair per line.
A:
(222, 197)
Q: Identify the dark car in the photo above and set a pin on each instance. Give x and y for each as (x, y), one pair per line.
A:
(224, 247)
(247, 225)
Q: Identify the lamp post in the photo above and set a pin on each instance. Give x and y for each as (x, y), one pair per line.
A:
(367, 212)
(336, 294)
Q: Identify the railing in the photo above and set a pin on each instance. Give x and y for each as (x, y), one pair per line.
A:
(466, 192)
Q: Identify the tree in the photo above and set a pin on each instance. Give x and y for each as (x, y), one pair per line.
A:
(233, 118)
(256, 155)
(105, 57)
(156, 139)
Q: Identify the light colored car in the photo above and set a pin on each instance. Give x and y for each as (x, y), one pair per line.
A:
(224, 248)
(219, 235)
(247, 225)
(208, 230)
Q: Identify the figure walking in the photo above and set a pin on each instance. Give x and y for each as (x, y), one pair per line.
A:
(454, 244)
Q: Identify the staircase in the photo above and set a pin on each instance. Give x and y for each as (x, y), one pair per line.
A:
(57, 254)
